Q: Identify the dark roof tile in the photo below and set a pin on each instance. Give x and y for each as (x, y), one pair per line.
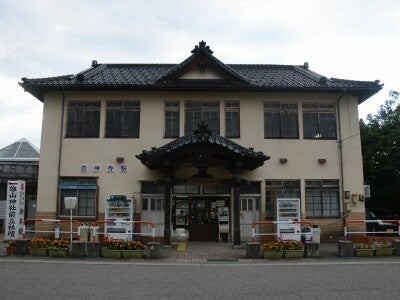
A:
(165, 76)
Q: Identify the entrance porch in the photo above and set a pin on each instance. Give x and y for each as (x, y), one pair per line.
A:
(202, 151)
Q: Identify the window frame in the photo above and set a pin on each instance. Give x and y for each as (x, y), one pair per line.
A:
(171, 106)
(124, 107)
(288, 108)
(201, 108)
(77, 129)
(76, 184)
(319, 109)
(279, 186)
(322, 185)
(230, 108)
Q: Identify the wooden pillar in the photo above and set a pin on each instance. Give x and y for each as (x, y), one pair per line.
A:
(167, 212)
(236, 215)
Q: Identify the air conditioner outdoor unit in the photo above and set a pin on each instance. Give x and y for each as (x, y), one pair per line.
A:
(367, 191)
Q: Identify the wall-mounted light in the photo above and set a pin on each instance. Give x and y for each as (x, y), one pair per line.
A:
(120, 159)
(321, 160)
(283, 160)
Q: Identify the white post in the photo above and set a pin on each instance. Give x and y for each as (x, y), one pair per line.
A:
(70, 226)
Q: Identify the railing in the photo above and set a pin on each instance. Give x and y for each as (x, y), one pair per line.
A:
(278, 235)
(94, 230)
(347, 228)
(152, 233)
(24, 230)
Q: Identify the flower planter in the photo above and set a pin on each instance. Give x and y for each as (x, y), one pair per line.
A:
(38, 251)
(293, 253)
(10, 250)
(132, 253)
(271, 254)
(58, 252)
(383, 251)
(364, 252)
(111, 253)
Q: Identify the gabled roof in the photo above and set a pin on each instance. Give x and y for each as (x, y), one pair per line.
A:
(237, 77)
(21, 150)
(202, 144)
(202, 57)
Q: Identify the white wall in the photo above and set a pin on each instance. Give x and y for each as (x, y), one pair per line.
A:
(302, 155)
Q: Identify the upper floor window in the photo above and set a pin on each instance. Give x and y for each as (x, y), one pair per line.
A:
(232, 119)
(280, 120)
(198, 111)
(83, 119)
(123, 119)
(171, 119)
(319, 120)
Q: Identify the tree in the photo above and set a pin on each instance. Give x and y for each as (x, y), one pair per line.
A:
(380, 138)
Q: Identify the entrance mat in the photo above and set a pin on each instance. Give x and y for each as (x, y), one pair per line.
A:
(181, 246)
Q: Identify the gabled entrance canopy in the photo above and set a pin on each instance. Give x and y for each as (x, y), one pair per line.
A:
(202, 150)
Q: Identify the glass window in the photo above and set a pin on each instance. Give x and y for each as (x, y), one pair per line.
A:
(83, 119)
(152, 204)
(319, 121)
(123, 119)
(197, 111)
(253, 188)
(280, 120)
(232, 119)
(322, 198)
(85, 189)
(153, 187)
(171, 119)
(279, 189)
(186, 189)
(216, 189)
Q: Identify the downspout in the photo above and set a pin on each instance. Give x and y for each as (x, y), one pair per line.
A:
(60, 147)
(341, 153)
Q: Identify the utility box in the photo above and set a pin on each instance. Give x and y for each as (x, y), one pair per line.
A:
(316, 234)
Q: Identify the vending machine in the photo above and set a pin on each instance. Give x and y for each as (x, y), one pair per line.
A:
(118, 209)
(288, 209)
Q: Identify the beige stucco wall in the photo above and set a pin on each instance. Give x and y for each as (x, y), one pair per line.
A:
(302, 155)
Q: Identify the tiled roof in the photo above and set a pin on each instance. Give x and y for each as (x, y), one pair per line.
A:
(250, 158)
(165, 77)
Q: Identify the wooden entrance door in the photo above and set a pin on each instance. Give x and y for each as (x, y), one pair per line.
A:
(203, 224)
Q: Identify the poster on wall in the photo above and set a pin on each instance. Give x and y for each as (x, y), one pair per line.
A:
(15, 209)
(223, 219)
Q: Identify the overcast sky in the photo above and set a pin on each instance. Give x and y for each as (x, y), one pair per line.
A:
(347, 39)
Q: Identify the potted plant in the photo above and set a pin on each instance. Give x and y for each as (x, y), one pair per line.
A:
(383, 247)
(111, 248)
(38, 246)
(133, 249)
(59, 248)
(11, 247)
(293, 249)
(363, 247)
(272, 249)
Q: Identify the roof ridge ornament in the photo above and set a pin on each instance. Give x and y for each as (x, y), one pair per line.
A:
(202, 48)
(202, 129)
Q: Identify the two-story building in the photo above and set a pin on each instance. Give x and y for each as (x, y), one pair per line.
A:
(269, 131)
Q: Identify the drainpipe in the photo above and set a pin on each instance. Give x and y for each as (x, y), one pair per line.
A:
(60, 146)
(341, 149)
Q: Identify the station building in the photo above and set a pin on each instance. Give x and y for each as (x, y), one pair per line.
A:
(185, 139)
